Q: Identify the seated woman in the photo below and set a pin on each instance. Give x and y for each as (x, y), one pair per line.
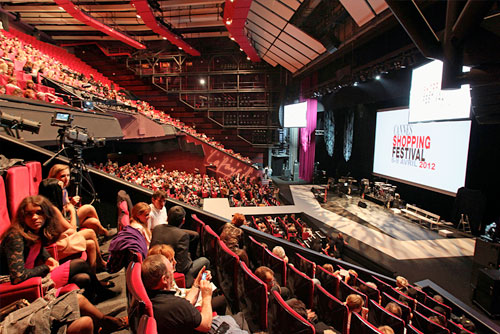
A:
(139, 221)
(87, 214)
(23, 255)
(67, 242)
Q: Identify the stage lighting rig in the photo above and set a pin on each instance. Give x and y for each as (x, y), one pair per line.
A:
(10, 122)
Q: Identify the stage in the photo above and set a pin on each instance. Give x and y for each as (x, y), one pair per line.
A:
(386, 239)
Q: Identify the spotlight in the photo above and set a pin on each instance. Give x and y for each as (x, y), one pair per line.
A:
(355, 84)
(377, 77)
(228, 22)
(248, 58)
(202, 81)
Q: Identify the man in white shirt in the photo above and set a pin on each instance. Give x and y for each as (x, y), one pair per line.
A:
(158, 213)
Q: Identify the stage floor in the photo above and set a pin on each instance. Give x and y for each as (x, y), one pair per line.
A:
(375, 226)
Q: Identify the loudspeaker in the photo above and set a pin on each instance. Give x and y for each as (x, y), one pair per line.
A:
(487, 254)
(362, 204)
(487, 292)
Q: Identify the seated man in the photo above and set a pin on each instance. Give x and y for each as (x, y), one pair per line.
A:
(158, 214)
(171, 234)
(174, 314)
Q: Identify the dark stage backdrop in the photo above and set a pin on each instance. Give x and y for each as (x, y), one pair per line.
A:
(392, 91)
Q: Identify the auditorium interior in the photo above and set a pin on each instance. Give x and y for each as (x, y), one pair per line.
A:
(358, 135)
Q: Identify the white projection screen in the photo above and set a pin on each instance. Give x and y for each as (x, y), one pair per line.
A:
(429, 103)
(295, 115)
(428, 155)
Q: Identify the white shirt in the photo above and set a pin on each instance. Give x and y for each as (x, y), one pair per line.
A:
(157, 217)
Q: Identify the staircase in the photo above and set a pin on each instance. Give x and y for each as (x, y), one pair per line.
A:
(116, 70)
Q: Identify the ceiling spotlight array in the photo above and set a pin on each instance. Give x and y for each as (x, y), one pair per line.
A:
(362, 75)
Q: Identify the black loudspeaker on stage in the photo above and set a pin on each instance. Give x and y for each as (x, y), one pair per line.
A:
(362, 204)
(487, 292)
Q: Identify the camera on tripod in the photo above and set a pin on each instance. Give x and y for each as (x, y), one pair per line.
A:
(74, 135)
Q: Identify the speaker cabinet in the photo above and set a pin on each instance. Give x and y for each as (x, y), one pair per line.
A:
(362, 205)
(487, 292)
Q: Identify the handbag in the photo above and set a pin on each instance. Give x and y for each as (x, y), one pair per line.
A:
(70, 242)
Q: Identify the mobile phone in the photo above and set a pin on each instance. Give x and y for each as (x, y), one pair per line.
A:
(223, 328)
(204, 276)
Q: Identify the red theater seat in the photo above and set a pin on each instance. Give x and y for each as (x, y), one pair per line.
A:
(330, 310)
(346, 290)
(361, 326)
(147, 325)
(18, 187)
(278, 265)
(379, 316)
(227, 267)
(4, 213)
(406, 311)
(35, 175)
(423, 324)
(252, 299)
(306, 266)
(284, 320)
(255, 252)
(328, 280)
(210, 239)
(139, 303)
(300, 285)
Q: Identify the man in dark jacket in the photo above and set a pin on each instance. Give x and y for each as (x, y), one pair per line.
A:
(171, 234)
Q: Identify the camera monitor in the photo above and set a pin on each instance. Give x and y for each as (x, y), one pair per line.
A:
(61, 119)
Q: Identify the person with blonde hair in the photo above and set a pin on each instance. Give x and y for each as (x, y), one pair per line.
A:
(139, 221)
(86, 214)
(355, 304)
(280, 252)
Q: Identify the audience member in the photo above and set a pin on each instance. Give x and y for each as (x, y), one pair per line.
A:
(395, 309)
(158, 214)
(70, 241)
(171, 234)
(174, 314)
(86, 214)
(355, 304)
(23, 254)
(280, 252)
(266, 275)
(139, 220)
